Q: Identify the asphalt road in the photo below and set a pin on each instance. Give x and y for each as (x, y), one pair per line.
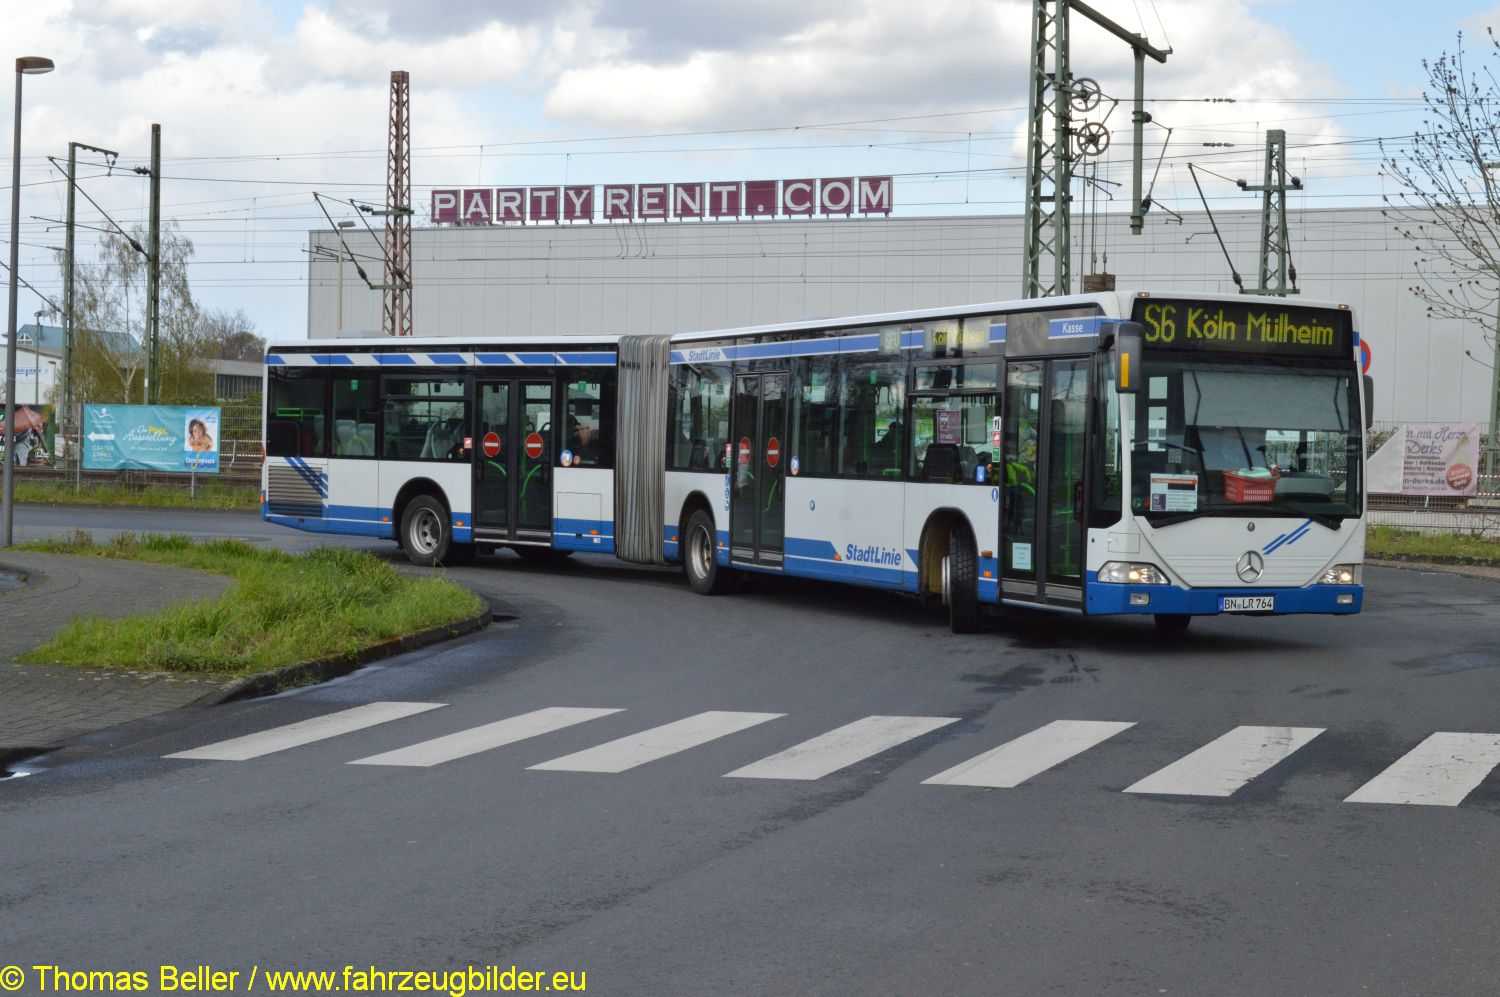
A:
(668, 877)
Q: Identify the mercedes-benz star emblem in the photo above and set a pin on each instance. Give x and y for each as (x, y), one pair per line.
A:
(1250, 566)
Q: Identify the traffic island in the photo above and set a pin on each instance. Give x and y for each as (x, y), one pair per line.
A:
(284, 620)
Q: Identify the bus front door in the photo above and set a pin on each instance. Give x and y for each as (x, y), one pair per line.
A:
(1042, 508)
(757, 507)
(513, 463)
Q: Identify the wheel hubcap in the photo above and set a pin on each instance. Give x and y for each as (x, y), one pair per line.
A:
(426, 532)
(701, 552)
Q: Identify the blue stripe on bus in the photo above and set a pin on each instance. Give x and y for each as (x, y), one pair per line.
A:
(582, 359)
(449, 359)
(314, 477)
(395, 359)
(494, 358)
(1287, 539)
(333, 359)
(275, 360)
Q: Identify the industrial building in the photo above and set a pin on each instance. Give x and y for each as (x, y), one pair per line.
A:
(670, 276)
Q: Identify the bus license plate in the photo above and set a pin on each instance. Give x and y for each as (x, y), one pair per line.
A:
(1248, 604)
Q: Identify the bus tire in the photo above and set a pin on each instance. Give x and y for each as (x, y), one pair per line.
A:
(1172, 623)
(541, 555)
(700, 556)
(961, 588)
(425, 533)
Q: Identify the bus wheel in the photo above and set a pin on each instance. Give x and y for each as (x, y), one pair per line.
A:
(961, 582)
(700, 559)
(424, 531)
(1172, 623)
(541, 555)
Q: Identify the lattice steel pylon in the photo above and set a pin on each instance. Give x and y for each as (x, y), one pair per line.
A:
(1275, 243)
(1049, 160)
(398, 211)
(1045, 269)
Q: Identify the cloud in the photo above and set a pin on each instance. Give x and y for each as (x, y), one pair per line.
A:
(324, 47)
(674, 29)
(891, 57)
(404, 19)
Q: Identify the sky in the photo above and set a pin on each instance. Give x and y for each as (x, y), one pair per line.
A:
(264, 103)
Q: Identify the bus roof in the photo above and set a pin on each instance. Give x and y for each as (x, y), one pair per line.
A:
(1115, 304)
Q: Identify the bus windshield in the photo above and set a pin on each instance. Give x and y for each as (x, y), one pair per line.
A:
(1223, 438)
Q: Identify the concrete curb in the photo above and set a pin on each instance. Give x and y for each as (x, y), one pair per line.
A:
(1448, 559)
(323, 669)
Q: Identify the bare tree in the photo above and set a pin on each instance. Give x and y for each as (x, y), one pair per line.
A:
(232, 334)
(110, 318)
(1447, 204)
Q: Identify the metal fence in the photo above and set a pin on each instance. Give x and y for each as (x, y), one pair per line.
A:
(1478, 514)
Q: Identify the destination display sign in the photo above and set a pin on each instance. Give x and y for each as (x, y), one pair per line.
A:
(1252, 327)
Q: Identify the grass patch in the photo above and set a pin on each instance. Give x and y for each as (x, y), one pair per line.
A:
(211, 494)
(1386, 540)
(281, 610)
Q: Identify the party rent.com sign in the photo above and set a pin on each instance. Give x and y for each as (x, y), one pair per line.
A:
(151, 438)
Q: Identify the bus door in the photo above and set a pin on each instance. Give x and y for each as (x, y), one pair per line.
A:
(757, 440)
(1042, 514)
(513, 461)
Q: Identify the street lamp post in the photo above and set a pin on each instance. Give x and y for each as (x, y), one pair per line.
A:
(36, 365)
(343, 251)
(26, 65)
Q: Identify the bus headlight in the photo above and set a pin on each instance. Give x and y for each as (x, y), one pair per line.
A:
(1127, 573)
(1340, 574)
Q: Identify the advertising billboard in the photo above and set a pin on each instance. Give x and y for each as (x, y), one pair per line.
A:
(177, 438)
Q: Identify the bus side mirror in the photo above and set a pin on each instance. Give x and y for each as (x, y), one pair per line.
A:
(1128, 339)
(1369, 401)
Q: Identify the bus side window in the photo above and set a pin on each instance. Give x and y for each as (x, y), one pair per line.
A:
(588, 417)
(296, 409)
(872, 405)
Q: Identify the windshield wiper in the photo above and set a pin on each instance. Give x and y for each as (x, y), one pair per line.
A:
(1158, 520)
(1172, 519)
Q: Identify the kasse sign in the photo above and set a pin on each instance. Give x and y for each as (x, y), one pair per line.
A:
(663, 201)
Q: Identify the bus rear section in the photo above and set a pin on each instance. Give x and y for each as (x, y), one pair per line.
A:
(449, 448)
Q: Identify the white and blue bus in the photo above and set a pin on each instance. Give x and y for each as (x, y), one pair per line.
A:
(1168, 455)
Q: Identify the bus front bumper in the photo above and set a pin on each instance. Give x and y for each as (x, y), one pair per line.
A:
(1103, 599)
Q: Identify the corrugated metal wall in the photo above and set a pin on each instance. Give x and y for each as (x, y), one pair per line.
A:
(681, 276)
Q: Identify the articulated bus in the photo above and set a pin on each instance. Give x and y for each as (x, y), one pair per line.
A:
(1121, 453)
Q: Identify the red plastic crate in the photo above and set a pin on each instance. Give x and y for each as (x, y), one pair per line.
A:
(1238, 488)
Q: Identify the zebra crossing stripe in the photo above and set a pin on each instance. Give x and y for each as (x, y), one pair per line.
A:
(840, 748)
(1439, 772)
(1029, 755)
(276, 739)
(658, 742)
(1228, 762)
(477, 739)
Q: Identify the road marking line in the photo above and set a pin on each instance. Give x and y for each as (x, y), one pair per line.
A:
(840, 748)
(476, 739)
(658, 742)
(1029, 755)
(267, 742)
(1227, 763)
(1439, 772)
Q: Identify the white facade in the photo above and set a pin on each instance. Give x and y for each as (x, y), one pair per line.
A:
(35, 375)
(664, 277)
